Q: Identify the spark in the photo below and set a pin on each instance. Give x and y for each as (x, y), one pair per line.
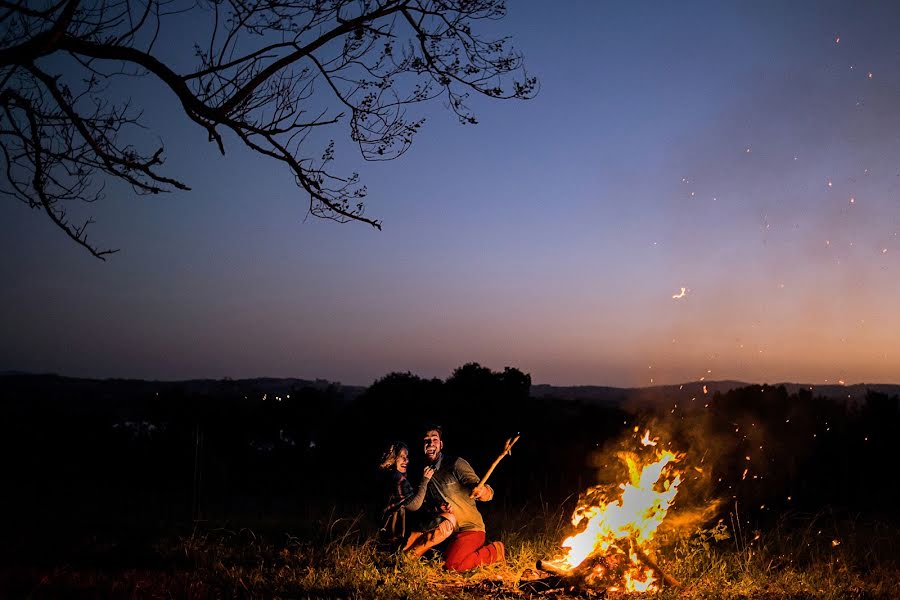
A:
(829, 183)
(852, 200)
(680, 294)
(837, 39)
(869, 75)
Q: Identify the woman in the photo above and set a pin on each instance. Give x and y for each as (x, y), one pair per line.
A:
(399, 491)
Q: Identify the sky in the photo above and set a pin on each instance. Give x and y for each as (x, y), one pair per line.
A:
(700, 189)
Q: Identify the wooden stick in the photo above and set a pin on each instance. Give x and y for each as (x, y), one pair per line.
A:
(671, 581)
(509, 444)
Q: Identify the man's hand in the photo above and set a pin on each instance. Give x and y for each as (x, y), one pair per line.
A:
(428, 472)
(482, 492)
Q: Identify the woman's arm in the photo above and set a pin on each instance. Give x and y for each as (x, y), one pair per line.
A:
(415, 502)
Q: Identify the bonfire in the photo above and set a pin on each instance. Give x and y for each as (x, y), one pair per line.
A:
(616, 525)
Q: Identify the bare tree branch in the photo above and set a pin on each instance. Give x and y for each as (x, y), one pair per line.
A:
(270, 72)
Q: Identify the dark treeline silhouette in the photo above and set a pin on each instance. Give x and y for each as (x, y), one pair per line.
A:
(135, 458)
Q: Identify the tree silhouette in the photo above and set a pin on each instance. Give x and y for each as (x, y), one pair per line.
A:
(273, 73)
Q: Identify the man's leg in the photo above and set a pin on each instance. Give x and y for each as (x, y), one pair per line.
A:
(466, 551)
(432, 538)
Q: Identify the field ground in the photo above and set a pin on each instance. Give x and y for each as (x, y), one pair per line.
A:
(822, 558)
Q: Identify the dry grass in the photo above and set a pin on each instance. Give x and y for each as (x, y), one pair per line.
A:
(789, 562)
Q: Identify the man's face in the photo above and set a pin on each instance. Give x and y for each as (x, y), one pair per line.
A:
(433, 445)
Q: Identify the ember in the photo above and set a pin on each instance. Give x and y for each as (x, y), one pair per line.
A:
(616, 524)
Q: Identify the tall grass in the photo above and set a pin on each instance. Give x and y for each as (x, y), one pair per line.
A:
(804, 556)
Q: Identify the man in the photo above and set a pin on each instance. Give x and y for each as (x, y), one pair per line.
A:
(451, 496)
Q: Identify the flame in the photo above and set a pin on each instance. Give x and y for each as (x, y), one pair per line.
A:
(680, 294)
(619, 526)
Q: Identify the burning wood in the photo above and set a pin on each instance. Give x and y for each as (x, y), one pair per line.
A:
(617, 528)
(608, 564)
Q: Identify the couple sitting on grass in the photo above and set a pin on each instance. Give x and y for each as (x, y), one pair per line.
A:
(443, 506)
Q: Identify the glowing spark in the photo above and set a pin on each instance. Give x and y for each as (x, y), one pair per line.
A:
(835, 543)
(884, 250)
(852, 200)
(705, 391)
(680, 294)
(837, 39)
(829, 183)
(646, 441)
(869, 75)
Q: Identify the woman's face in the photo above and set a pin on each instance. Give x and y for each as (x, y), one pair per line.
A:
(402, 460)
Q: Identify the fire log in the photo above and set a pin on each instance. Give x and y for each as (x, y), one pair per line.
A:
(574, 581)
(642, 556)
(580, 573)
(551, 567)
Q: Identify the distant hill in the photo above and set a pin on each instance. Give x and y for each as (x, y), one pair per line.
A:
(274, 386)
(648, 396)
(65, 386)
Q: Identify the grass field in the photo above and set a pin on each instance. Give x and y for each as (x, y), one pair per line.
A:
(802, 556)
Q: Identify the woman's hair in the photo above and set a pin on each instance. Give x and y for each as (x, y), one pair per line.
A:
(389, 458)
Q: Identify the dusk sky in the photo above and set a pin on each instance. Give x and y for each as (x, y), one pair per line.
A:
(748, 152)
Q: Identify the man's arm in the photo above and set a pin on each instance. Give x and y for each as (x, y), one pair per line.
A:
(466, 475)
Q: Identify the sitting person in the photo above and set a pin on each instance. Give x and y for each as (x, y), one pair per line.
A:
(451, 500)
(399, 493)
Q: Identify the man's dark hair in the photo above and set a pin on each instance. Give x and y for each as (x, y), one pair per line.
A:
(434, 427)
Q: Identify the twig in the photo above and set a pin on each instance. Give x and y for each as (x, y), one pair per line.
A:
(509, 444)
